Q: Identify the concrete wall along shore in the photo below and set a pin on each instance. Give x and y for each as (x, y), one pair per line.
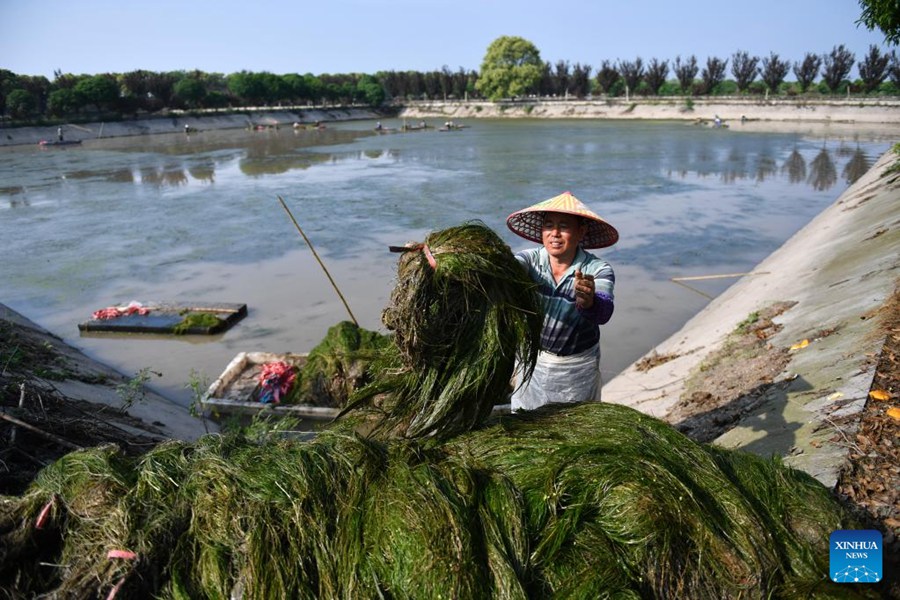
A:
(176, 122)
(669, 108)
(751, 114)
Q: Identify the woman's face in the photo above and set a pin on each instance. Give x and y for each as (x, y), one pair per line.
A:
(561, 234)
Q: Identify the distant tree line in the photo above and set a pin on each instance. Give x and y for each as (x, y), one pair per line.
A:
(512, 69)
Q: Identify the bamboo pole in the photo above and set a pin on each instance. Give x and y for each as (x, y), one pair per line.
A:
(8, 417)
(724, 276)
(680, 280)
(321, 264)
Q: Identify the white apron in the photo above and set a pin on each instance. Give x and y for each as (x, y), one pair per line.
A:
(574, 378)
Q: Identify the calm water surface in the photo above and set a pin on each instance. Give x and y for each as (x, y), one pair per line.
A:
(182, 219)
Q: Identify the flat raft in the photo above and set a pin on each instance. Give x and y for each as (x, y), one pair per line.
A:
(165, 318)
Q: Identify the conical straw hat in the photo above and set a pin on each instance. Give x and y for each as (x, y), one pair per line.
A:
(529, 222)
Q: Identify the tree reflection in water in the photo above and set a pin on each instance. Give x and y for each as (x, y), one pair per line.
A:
(823, 172)
(856, 167)
(765, 167)
(795, 167)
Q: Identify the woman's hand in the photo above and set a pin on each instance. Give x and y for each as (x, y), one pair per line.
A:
(584, 290)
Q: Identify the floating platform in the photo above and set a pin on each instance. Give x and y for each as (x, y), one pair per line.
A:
(168, 319)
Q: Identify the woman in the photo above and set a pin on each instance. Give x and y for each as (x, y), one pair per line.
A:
(576, 288)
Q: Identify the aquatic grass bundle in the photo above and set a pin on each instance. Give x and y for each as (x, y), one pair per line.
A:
(459, 327)
(338, 365)
(617, 500)
(588, 501)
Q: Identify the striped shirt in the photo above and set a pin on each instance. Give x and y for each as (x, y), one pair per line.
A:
(568, 329)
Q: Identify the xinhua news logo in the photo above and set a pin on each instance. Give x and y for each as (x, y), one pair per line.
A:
(855, 556)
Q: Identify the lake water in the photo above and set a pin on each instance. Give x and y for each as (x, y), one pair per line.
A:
(175, 218)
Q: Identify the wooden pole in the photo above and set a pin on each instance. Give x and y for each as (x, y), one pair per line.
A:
(8, 417)
(723, 276)
(680, 280)
(321, 264)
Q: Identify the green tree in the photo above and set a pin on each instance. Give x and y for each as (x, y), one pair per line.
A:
(248, 87)
(512, 66)
(190, 91)
(607, 77)
(893, 70)
(295, 87)
(883, 14)
(807, 71)
(632, 73)
(581, 80)
(657, 71)
(63, 102)
(837, 66)
(562, 77)
(774, 70)
(8, 83)
(685, 73)
(100, 90)
(370, 91)
(713, 74)
(873, 68)
(744, 68)
(20, 103)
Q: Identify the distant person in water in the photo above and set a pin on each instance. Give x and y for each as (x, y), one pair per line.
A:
(576, 291)
(59, 133)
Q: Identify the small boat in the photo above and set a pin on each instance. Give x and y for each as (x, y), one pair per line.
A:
(452, 127)
(237, 390)
(45, 143)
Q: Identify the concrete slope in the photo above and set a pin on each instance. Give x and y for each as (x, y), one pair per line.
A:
(839, 270)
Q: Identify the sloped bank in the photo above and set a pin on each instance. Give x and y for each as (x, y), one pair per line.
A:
(822, 292)
(177, 123)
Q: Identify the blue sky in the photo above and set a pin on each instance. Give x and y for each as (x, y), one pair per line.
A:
(366, 36)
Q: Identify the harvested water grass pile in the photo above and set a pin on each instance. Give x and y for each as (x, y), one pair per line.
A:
(588, 501)
(338, 366)
(583, 501)
(459, 324)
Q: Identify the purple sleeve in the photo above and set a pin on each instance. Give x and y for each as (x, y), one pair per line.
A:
(601, 311)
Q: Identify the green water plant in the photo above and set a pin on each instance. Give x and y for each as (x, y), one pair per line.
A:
(196, 320)
(459, 326)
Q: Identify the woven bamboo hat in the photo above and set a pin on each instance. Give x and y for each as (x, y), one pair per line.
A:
(529, 222)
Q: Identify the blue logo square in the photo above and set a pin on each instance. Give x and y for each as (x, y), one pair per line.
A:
(855, 556)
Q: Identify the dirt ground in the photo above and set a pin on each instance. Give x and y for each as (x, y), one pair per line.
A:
(38, 424)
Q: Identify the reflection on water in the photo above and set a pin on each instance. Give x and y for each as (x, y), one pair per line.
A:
(823, 173)
(195, 217)
(272, 152)
(856, 167)
(795, 166)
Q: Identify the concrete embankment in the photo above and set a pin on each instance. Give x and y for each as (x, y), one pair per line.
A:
(669, 108)
(176, 123)
(850, 117)
(834, 274)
